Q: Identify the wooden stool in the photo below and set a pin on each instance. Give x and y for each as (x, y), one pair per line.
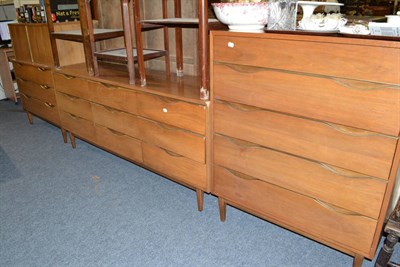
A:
(392, 228)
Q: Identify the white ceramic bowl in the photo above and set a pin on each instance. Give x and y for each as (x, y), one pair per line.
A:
(242, 16)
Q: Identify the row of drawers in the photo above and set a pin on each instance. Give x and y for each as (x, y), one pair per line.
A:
(170, 111)
(37, 91)
(172, 151)
(361, 151)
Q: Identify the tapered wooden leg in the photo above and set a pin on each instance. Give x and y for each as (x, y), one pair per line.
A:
(72, 138)
(222, 209)
(64, 135)
(30, 119)
(200, 199)
(358, 260)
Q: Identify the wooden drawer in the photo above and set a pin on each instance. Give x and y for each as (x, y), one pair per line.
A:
(119, 143)
(174, 112)
(349, 190)
(173, 139)
(78, 126)
(117, 120)
(366, 105)
(44, 110)
(72, 85)
(312, 55)
(350, 148)
(42, 92)
(322, 221)
(39, 75)
(113, 96)
(176, 166)
(75, 105)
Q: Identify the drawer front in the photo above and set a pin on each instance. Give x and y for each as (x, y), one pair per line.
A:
(323, 221)
(112, 96)
(117, 120)
(173, 139)
(78, 126)
(349, 190)
(361, 151)
(172, 165)
(75, 105)
(119, 143)
(365, 105)
(45, 110)
(173, 112)
(37, 75)
(332, 57)
(72, 85)
(42, 92)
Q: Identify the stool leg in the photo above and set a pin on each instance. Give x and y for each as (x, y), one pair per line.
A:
(387, 250)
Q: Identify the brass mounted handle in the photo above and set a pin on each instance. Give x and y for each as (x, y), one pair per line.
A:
(42, 69)
(44, 86)
(74, 116)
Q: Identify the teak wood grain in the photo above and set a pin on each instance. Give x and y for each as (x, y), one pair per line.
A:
(357, 150)
(173, 112)
(72, 85)
(39, 75)
(174, 165)
(304, 213)
(78, 126)
(119, 143)
(309, 56)
(20, 42)
(44, 110)
(42, 92)
(365, 105)
(349, 190)
(75, 105)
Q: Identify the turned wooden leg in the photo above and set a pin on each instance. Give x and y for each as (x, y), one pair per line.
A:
(222, 209)
(387, 250)
(64, 135)
(358, 260)
(200, 199)
(30, 119)
(72, 138)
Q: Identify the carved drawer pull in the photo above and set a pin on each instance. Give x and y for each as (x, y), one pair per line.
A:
(42, 69)
(242, 175)
(68, 77)
(244, 69)
(116, 132)
(49, 105)
(355, 132)
(74, 116)
(368, 85)
(347, 173)
(106, 85)
(173, 154)
(44, 86)
(24, 95)
(240, 107)
(240, 143)
(71, 97)
(336, 209)
(112, 110)
(21, 79)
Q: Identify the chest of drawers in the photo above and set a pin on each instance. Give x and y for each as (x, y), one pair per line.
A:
(164, 134)
(305, 133)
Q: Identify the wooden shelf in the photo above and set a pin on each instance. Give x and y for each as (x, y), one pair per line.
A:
(99, 34)
(182, 22)
(119, 55)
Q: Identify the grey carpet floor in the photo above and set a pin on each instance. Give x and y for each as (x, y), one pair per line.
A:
(85, 207)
